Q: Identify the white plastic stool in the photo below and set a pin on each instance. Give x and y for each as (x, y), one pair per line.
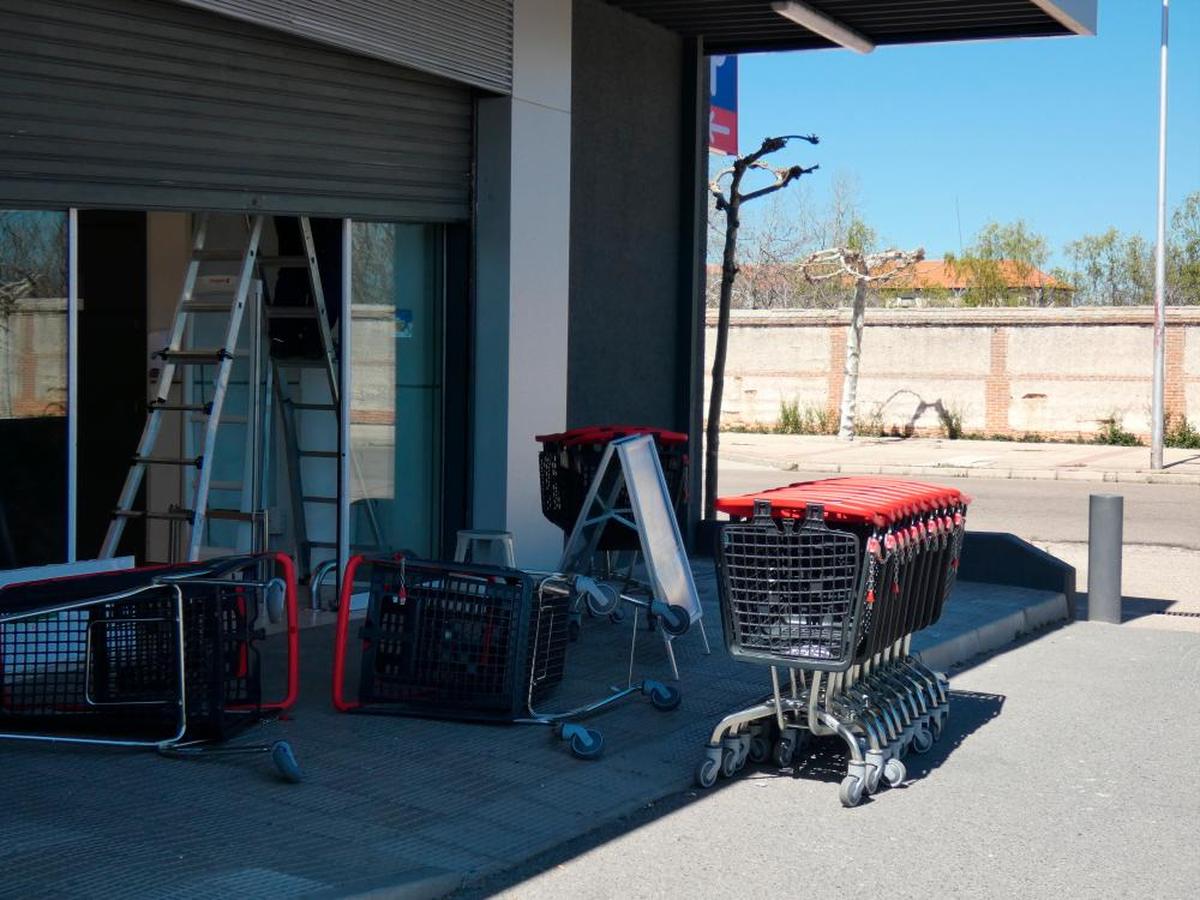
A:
(471, 538)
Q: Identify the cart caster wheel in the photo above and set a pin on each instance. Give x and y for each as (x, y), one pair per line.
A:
(729, 764)
(935, 726)
(874, 777)
(785, 750)
(743, 750)
(850, 791)
(760, 749)
(706, 772)
(894, 772)
(922, 740)
(285, 762)
(616, 618)
(675, 619)
(276, 597)
(663, 696)
(602, 599)
(585, 743)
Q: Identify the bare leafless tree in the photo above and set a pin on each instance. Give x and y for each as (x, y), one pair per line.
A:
(729, 200)
(864, 270)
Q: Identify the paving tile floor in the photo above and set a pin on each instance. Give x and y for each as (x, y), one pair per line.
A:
(386, 800)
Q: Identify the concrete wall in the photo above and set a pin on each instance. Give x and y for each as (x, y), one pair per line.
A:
(1004, 371)
(522, 262)
(33, 358)
(627, 152)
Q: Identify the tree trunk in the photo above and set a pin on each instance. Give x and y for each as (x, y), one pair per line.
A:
(712, 441)
(853, 355)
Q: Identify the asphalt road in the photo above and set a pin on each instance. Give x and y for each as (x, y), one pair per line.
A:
(1162, 526)
(1062, 774)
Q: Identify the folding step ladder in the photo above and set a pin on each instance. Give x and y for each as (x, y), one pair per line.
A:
(178, 355)
(312, 474)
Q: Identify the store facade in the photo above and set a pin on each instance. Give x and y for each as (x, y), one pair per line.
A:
(506, 211)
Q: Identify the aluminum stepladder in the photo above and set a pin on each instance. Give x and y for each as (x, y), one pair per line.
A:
(312, 470)
(178, 355)
(630, 467)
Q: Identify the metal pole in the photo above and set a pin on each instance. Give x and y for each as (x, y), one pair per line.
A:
(1105, 537)
(1160, 261)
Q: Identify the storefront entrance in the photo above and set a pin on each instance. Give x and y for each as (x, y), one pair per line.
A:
(329, 440)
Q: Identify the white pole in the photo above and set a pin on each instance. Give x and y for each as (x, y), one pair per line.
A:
(72, 381)
(1160, 260)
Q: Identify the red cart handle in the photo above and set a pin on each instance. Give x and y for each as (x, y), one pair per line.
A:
(293, 635)
(340, 703)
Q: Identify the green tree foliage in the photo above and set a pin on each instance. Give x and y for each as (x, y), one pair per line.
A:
(1183, 265)
(984, 268)
(1116, 269)
(1111, 269)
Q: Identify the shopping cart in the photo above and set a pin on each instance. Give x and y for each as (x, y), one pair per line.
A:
(826, 582)
(466, 642)
(162, 657)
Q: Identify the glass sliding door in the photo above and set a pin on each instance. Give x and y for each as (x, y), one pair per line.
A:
(395, 404)
(34, 398)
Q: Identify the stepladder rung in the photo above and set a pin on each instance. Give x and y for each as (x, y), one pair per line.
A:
(225, 486)
(303, 362)
(208, 304)
(193, 462)
(173, 515)
(321, 545)
(201, 408)
(328, 500)
(203, 355)
(318, 454)
(284, 262)
(290, 312)
(314, 407)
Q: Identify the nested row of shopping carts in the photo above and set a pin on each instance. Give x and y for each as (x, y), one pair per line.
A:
(825, 583)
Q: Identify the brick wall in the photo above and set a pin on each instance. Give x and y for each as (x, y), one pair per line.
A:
(1055, 372)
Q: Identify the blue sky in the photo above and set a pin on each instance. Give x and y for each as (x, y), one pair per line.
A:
(1062, 132)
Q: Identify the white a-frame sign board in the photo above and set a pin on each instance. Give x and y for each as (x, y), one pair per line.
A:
(639, 477)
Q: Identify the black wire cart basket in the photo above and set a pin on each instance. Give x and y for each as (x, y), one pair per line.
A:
(466, 642)
(825, 582)
(162, 657)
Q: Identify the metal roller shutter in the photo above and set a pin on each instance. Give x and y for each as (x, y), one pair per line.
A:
(467, 40)
(148, 105)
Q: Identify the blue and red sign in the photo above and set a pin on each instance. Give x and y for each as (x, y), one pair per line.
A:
(722, 109)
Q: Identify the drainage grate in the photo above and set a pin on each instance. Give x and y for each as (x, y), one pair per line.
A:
(1173, 612)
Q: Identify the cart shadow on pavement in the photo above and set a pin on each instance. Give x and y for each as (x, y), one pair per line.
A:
(825, 758)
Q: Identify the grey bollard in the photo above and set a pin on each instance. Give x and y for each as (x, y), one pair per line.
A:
(1105, 541)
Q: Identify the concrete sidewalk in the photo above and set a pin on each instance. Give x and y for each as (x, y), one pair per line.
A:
(395, 806)
(960, 459)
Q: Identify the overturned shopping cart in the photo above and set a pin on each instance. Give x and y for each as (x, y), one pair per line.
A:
(453, 640)
(825, 583)
(163, 657)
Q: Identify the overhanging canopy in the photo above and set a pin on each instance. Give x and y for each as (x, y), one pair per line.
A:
(746, 26)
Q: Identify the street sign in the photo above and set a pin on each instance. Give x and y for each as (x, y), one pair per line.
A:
(722, 110)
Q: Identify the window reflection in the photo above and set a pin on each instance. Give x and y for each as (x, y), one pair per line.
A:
(396, 401)
(33, 386)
